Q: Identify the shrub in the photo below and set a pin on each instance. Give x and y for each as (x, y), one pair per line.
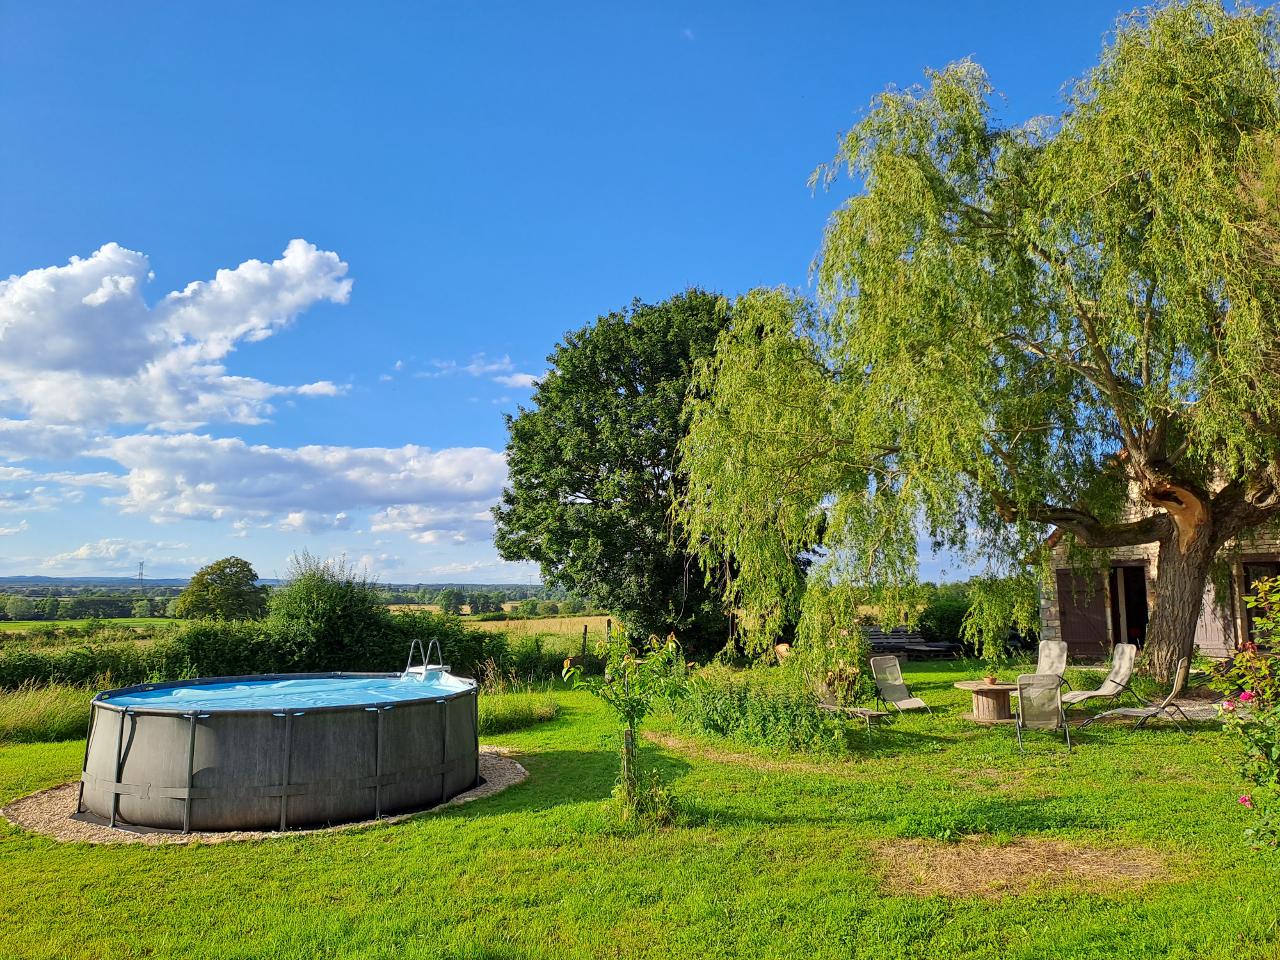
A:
(772, 707)
(944, 614)
(331, 634)
(121, 664)
(39, 714)
(329, 616)
(1253, 681)
(634, 682)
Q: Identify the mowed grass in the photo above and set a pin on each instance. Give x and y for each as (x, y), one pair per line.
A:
(776, 857)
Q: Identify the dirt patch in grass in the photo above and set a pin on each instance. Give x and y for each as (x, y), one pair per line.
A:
(976, 867)
(50, 812)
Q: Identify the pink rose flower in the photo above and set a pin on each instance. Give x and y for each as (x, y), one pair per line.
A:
(1246, 801)
(1228, 705)
(1246, 696)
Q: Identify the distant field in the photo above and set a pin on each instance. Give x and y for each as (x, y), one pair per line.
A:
(22, 626)
(567, 626)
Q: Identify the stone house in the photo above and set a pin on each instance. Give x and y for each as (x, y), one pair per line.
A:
(1093, 611)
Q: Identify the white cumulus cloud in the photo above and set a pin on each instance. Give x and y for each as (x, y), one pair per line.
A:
(80, 345)
(422, 492)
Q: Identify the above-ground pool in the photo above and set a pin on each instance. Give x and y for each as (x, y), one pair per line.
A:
(279, 751)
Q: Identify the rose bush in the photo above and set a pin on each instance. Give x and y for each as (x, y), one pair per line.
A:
(1251, 713)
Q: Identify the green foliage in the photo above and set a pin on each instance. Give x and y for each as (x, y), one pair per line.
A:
(593, 469)
(1015, 325)
(226, 589)
(634, 681)
(329, 616)
(766, 706)
(943, 616)
(36, 714)
(275, 645)
(998, 605)
(19, 608)
(1252, 681)
(450, 600)
(831, 647)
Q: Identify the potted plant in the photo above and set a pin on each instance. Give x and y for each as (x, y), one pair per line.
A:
(994, 656)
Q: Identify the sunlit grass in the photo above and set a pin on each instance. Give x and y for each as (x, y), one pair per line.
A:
(35, 714)
(777, 856)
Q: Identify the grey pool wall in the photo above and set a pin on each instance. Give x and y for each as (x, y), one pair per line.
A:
(264, 769)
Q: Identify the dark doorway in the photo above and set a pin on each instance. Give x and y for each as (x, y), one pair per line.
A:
(1129, 614)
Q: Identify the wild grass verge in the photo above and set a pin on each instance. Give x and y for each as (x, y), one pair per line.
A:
(504, 712)
(43, 713)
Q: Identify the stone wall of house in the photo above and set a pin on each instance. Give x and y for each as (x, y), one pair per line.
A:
(1259, 544)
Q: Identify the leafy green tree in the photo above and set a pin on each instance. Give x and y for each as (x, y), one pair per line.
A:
(1017, 328)
(226, 589)
(141, 608)
(593, 468)
(19, 608)
(449, 600)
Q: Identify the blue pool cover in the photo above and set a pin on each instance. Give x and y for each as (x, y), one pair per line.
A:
(289, 694)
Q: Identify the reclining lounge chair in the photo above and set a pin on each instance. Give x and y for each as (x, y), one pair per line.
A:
(1117, 682)
(889, 686)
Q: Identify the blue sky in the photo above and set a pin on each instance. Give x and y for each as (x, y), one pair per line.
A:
(391, 213)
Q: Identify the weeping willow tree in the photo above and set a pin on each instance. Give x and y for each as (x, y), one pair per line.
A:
(1069, 324)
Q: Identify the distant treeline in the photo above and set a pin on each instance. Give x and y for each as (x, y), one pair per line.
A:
(110, 604)
(84, 607)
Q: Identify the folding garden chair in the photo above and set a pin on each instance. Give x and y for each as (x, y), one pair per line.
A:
(1117, 682)
(1040, 706)
(1167, 709)
(889, 686)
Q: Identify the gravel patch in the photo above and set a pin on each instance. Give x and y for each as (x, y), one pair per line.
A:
(52, 812)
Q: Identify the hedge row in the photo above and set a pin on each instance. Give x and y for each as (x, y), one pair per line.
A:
(217, 648)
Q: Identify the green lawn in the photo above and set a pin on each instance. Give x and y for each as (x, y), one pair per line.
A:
(776, 860)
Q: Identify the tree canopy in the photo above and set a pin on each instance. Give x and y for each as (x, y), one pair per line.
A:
(1019, 329)
(593, 468)
(226, 589)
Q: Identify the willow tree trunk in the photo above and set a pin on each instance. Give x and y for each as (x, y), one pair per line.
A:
(1181, 577)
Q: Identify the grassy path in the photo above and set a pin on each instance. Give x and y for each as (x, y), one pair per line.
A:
(778, 859)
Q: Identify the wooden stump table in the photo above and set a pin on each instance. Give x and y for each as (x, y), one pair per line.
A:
(990, 701)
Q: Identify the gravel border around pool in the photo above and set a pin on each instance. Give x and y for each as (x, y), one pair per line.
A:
(52, 812)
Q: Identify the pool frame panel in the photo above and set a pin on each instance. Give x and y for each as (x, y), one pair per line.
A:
(227, 754)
